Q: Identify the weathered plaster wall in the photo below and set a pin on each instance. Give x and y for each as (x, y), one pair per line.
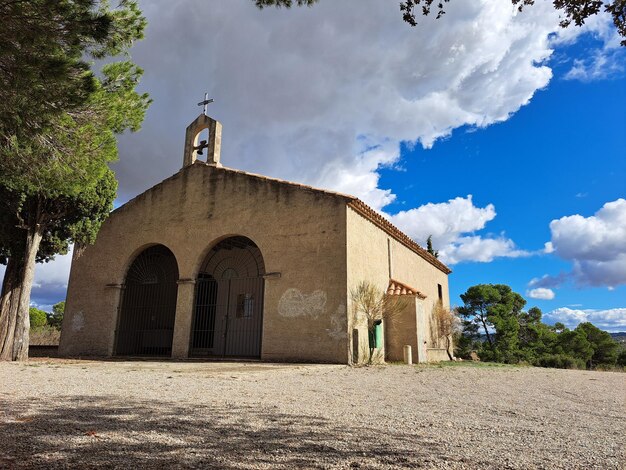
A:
(375, 256)
(409, 327)
(402, 330)
(300, 232)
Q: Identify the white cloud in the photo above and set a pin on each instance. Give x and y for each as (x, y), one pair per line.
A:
(596, 245)
(449, 223)
(54, 273)
(50, 283)
(485, 250)
(600, 65)
(613, 319)
(299, 91)
(444, 221)
(325, 95)
(548, 281)
(541, 293)
(308, 95)
(605, 61)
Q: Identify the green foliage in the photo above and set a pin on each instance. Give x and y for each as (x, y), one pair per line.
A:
(621, 358)
(535, 338)
(574, 344)
(282, 3)
(513, 335)
(55, 319)
(493, 307)
(58, 177)
(559, 361)
(605, 348)
(56, 186)
(38, 318)
(464, 345)
(44, 48)
(429, 247)
(573, 11)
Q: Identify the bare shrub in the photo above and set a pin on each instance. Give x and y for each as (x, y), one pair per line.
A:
(447, 324)
(44, 336)
(373, 305)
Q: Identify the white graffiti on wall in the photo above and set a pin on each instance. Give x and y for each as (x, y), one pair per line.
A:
(339, 323)
(78, 321)
(294, 303)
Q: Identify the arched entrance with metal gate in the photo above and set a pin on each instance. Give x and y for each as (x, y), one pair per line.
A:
(228, 316)
(148, 306)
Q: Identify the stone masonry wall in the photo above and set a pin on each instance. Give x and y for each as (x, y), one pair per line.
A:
(301, 234)
(375, 256)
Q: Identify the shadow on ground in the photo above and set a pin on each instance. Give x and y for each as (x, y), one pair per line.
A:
(105, 432)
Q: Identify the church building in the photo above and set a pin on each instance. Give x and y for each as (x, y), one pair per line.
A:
(219, 263)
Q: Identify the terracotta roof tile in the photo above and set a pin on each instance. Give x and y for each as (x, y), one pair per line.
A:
(399, 288)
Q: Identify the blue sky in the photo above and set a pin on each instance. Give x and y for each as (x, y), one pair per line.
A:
(562, 154)
(526, 118)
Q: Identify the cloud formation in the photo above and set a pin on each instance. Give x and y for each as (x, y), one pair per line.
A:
(452, 225)
(613, 320)
(50, 284)
(547, 281)
(596, 245)
(326, 95)
(541, 293)
(605, 61)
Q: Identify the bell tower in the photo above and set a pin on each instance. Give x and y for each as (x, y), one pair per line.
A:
(194, 146)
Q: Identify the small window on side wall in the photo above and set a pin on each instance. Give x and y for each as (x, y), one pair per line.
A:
(440, 292)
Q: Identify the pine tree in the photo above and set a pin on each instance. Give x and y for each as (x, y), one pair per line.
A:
(429, 247)
(55, 183)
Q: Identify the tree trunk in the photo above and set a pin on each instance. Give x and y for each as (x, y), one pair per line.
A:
(482, 319)
(15, 300)
(9, 301)
(448, 346)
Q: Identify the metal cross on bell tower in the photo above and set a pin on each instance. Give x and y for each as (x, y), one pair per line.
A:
(205, 103)
(195, 147)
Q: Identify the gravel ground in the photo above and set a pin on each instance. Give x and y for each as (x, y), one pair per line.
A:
(82, 414)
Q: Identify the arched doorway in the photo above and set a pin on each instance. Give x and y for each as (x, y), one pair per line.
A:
(148, 305)
(228, 318)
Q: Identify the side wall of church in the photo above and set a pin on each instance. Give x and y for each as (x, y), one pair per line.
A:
(376, 257)
(301, 234)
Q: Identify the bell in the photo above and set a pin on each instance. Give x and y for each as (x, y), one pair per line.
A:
(202, 145)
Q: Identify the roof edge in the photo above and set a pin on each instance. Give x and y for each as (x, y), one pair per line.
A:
(400, 288)
(370, 214)
(356, 204)
(201, 164)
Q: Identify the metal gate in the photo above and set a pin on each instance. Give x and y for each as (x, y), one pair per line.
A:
(228, 319)
(148, 305)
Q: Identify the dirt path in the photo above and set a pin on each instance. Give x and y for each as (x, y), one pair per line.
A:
(60, 413)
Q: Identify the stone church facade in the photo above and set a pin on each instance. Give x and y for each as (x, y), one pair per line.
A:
(216, 262)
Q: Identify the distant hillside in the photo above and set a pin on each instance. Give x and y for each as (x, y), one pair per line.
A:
(619, 337)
